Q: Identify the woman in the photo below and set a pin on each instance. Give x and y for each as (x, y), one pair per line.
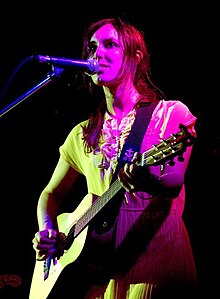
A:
(147, 251)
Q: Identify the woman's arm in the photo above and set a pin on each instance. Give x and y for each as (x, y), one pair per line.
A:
(49, 205)
(154, 181)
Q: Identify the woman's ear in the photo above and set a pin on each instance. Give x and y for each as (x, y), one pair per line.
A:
(139, 55)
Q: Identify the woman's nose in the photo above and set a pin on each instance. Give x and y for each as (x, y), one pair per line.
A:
(99, 51)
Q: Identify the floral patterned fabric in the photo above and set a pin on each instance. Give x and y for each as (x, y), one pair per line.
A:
(114, 135)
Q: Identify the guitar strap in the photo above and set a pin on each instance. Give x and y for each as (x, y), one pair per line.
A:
(104, 226)
(133, 142)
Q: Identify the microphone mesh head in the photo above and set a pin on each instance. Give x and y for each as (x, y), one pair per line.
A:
(93, 67)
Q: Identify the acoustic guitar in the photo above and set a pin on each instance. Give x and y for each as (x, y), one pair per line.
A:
(75, 225)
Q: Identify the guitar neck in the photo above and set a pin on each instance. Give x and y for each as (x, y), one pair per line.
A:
(96, 207)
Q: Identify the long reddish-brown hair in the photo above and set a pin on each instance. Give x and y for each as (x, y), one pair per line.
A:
(132, 40)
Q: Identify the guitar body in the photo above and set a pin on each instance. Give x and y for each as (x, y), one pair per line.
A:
(41, 288)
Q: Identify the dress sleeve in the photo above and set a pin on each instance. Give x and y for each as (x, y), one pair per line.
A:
(182, 115)
(72, 150)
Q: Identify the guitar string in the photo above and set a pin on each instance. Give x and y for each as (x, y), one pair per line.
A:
(97, 205)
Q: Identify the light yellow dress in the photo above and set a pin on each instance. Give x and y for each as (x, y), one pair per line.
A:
(152, 247)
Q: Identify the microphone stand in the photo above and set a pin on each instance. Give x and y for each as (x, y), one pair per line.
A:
(56, 73)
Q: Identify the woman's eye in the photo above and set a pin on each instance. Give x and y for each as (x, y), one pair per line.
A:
(110, 44)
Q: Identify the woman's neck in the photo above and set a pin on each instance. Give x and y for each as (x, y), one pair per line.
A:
(121, 101)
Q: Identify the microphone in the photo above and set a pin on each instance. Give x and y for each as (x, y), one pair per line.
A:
(90, 66)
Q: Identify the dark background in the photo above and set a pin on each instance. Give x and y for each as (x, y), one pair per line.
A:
(182, 41)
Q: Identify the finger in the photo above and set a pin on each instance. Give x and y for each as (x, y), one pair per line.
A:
(48, 235)
(135, 157)
(128, 170)
(132, 169)
(125, 182)
(41, 240)
(51, 233)
(41, 235)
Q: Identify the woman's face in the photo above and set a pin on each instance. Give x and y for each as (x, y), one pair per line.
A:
(105, 47)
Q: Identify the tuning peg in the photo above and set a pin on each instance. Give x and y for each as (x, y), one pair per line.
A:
(171, 163)
(180, 158)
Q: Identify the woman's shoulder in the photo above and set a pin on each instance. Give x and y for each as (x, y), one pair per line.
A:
(171, 103)
(76, 132)
(177, 110)
(78, 127)
(176, 106)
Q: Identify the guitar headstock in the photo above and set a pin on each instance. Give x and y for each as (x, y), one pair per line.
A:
(169, 148)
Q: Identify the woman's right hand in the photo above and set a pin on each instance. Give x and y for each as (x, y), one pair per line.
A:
(47, 243)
